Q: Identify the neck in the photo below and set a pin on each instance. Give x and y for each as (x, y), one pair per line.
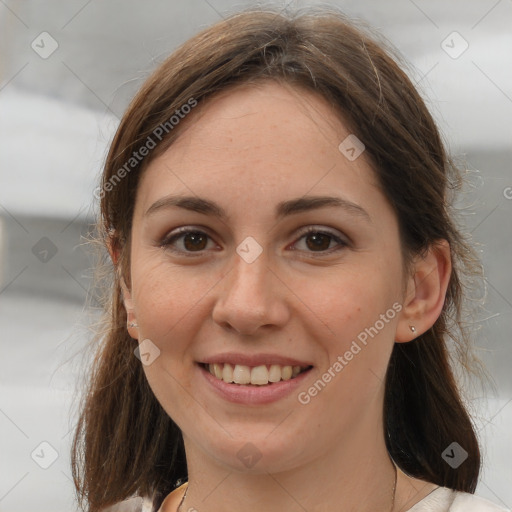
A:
(357, 474)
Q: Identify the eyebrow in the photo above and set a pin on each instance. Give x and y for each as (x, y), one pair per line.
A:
(283, 209)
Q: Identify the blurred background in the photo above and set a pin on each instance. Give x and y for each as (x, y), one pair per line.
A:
(67, 72)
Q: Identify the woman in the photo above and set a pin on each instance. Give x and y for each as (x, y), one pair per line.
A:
(275, 206)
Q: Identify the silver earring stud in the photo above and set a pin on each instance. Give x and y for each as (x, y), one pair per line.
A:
(132, 324)
(413, 329)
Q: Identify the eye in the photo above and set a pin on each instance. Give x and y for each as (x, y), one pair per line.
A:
(319, 240)
(186, 240)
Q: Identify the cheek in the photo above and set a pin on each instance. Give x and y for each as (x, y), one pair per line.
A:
(172, 305)
(348, 302)
(168, 305)
(356, 334)
(164, 295)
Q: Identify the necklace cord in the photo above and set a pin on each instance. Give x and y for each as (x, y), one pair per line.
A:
(394, 488)
(182, 500)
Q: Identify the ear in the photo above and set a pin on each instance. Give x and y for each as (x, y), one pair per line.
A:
(131, 318)
(426, 292)
(113, 247)
(129, 305)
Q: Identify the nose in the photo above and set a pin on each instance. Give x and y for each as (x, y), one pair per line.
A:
(251, 297)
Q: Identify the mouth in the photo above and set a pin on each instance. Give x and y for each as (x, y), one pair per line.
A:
(262, 375)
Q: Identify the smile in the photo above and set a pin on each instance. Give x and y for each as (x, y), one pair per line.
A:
(261, 375)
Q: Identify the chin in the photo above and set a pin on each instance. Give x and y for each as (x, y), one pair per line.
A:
(257, 454)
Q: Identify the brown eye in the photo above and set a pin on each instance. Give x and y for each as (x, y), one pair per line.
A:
(318, 241)
(195, 241)
(315, 240)
(186, 241)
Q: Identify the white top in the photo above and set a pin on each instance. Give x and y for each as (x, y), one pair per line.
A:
(441, 499)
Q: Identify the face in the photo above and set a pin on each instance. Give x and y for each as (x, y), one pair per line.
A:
(261, 251)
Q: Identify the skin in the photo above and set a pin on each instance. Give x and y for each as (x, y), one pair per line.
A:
(247, 150)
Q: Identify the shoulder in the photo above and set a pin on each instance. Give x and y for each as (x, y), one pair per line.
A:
(448, 500)
(173, 500)
(465, 502)
(135, 504)
(147, 504)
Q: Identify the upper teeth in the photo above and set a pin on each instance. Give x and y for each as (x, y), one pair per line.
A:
(257, 375)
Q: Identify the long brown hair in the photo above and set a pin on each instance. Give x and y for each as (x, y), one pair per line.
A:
(125, 443)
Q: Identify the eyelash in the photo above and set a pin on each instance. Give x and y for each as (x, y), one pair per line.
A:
(167, 242)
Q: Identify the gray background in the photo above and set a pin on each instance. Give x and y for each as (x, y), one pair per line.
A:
(57, 116)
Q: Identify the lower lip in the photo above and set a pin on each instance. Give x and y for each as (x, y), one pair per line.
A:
(253, 395)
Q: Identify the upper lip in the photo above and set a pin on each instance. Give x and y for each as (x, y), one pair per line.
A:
(253, 359)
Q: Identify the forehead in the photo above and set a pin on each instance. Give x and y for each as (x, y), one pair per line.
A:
(270, 139)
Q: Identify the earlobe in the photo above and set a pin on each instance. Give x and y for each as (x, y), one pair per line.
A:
(426, 292)
(127, 295)
(131, 319)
